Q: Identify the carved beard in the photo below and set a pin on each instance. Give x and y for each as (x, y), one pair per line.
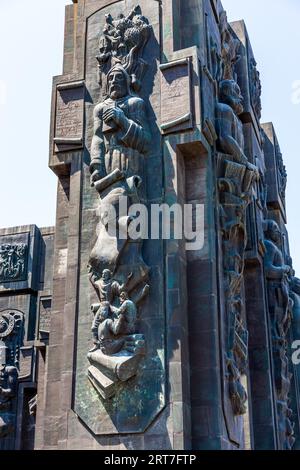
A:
(116, 93)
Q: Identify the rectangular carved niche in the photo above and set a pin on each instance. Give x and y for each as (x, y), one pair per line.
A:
(69, 116)
(176, 96)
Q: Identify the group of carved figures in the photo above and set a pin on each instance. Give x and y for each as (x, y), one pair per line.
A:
(236, 179)
(114, 327)
(117, 270)
(283, 290)
(12, 261)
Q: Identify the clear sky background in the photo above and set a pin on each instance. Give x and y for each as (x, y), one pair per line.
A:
(31, 44)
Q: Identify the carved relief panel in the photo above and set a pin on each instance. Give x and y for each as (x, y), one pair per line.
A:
(120, 352)
(176, 99)
(69, 116)
(15, 260)
(236, 178)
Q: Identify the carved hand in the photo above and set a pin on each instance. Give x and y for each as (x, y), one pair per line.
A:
(146, 290)
(117, 115)
(288, 270)
(96, 176)
(95, 307)
(252, 167)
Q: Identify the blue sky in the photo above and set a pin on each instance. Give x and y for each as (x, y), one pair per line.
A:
(31, 38)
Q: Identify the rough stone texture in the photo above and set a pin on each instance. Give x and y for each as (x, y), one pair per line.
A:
(208, 317)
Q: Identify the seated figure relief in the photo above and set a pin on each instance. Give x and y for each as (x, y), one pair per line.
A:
(278, 276)
(228, 125)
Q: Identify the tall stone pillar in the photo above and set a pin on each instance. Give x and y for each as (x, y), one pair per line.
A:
(152, 338)
(134, 115)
